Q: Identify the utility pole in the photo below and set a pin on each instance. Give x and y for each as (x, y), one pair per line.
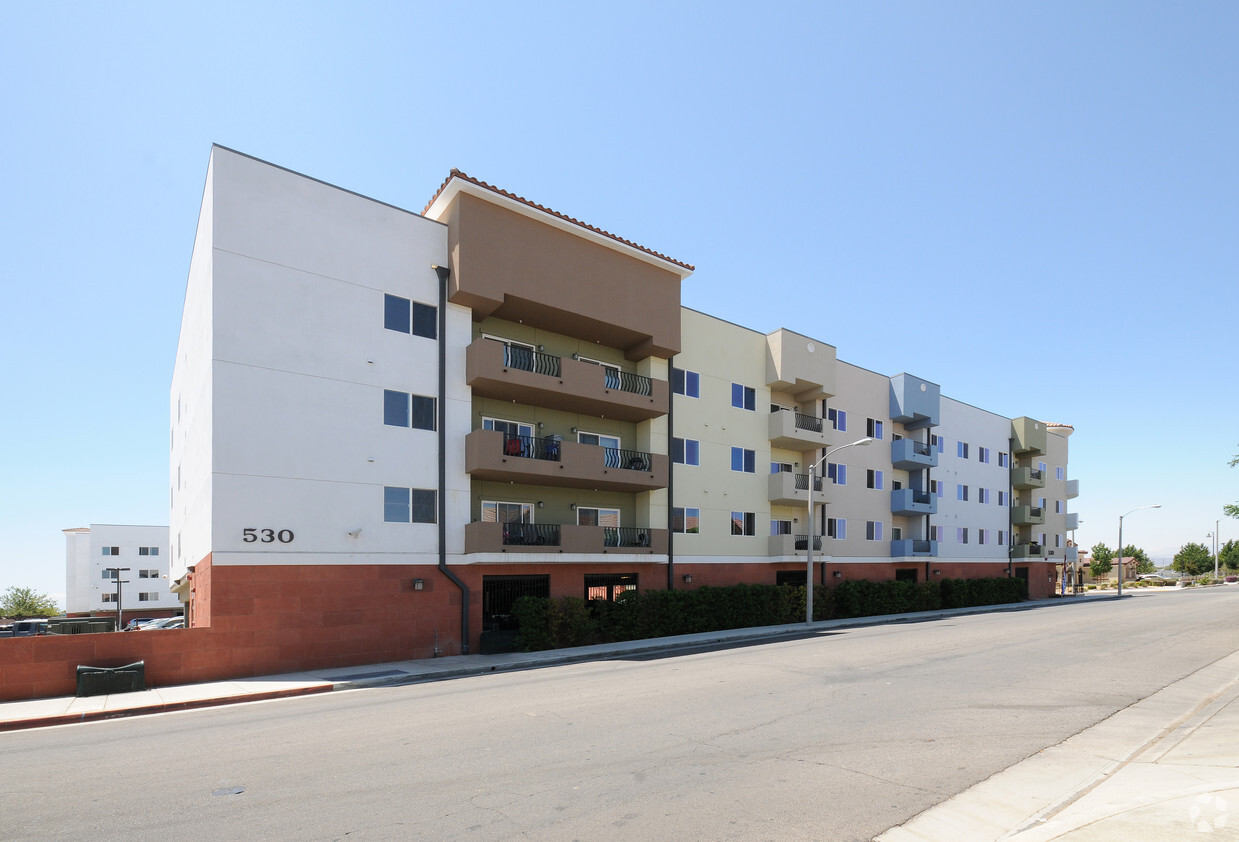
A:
(120, 617)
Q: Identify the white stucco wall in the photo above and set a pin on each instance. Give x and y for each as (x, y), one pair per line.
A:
(979, 428)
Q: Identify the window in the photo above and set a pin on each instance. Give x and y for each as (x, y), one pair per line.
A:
(982, 495)
(961, 534)
(511, 429)
(685, 451)
(838, 419)
(780, 467)
(405, 316)
(961, 492)
(936, 441)
(1058, 507)
(1002, 460)
(608, 586)
(686, 520)
(1041, 468)
(983, 454)
(743, 460)
(686, 383)
(111, 574)
(935, 533)
(896, 533)
(837, 528)
(500, 512)
(780, 527)
(111, 550)
(148, 597)
(588, 516)
(743, 397)
(148, 550)
(1042, 542)
(873, 530)
(1002, 498)
(981, 536)
(836, 473)
(109, 597)
(408, 505)
(936, 487)
(743, 523)
(148, 574)
(1060, 472)
(400, 409)
(1002, 537)
(961, 449)
(1058, 540)
(1041, 503)
(873, 428)
(873, 479)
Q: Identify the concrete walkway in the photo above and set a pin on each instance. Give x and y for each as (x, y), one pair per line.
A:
(1161, 769)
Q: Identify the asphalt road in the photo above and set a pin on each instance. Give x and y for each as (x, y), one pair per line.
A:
(832, 737)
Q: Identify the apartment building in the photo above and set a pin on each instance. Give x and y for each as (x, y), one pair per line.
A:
(110, 565)
(387, 426)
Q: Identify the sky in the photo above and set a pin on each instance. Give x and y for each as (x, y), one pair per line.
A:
(1032, 204)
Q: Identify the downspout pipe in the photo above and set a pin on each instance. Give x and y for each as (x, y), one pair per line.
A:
(444, 273)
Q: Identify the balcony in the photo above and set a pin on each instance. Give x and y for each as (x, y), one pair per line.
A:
(1029, 550)
(1072, 522)
(911, 547)
(563, 539)
(797, 431)
(911, 501)
(792, 545)
(537, 460)
(1028, 436)
(517, 374)
(788, 489)
(909, 455)
(914, 402)
(1073, 489)
(1027, 515)
(1027, 478)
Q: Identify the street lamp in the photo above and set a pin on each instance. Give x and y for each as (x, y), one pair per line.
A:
(1155, 506)
(808, 589)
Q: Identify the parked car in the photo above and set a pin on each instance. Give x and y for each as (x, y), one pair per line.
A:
(138, 622)
(29, 628)
(163, 623)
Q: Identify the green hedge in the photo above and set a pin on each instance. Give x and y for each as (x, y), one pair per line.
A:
(570, 621)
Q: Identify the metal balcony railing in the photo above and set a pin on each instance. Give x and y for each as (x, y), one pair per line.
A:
(632, 460)
(802, 542)
(527, 359)
(531, 533)
(808, 422)
(532, 447)
(1035, 511)
(625, 536)
(1033, 473)
(636, 384)
(802, 483)
(920, 448)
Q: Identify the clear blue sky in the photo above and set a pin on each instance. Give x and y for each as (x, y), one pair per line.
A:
(1033, 204)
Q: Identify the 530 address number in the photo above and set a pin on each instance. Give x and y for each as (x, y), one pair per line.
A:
(267, 536)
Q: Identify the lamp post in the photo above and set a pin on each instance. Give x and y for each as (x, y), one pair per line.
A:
(808, 589)
(1155, 506)
(1216, 524)
(116, 571)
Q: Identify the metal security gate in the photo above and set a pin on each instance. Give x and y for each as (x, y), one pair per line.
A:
(499, 594)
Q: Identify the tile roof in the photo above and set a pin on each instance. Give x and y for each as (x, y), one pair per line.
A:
(455, 173)
(77, 529)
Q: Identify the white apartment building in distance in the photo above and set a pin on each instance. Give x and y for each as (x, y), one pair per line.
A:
(95, 558)
(388, 425)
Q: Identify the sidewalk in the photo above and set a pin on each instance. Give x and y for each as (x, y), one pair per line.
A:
(1161, 769)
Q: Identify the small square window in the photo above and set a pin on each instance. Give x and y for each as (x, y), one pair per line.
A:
(873, 530)
(961, 449)
(837, 528)
(396, 313)
(873, 428)
(743, 523)
(686, 520)
(838, 419)
(961, 534)
(685, 451)
(743, 397)
(743, 460)
(425, 320)
(686, 383)
(961, 492)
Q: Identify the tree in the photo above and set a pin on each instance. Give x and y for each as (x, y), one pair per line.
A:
(1102, 560)
(1233, 509)
(1144, 564)
(20, 603)
(1193, 559)
(1228, 556)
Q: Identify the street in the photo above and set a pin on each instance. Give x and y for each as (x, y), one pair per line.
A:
(833, 736)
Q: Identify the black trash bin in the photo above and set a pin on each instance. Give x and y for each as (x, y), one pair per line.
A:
(100, 681)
